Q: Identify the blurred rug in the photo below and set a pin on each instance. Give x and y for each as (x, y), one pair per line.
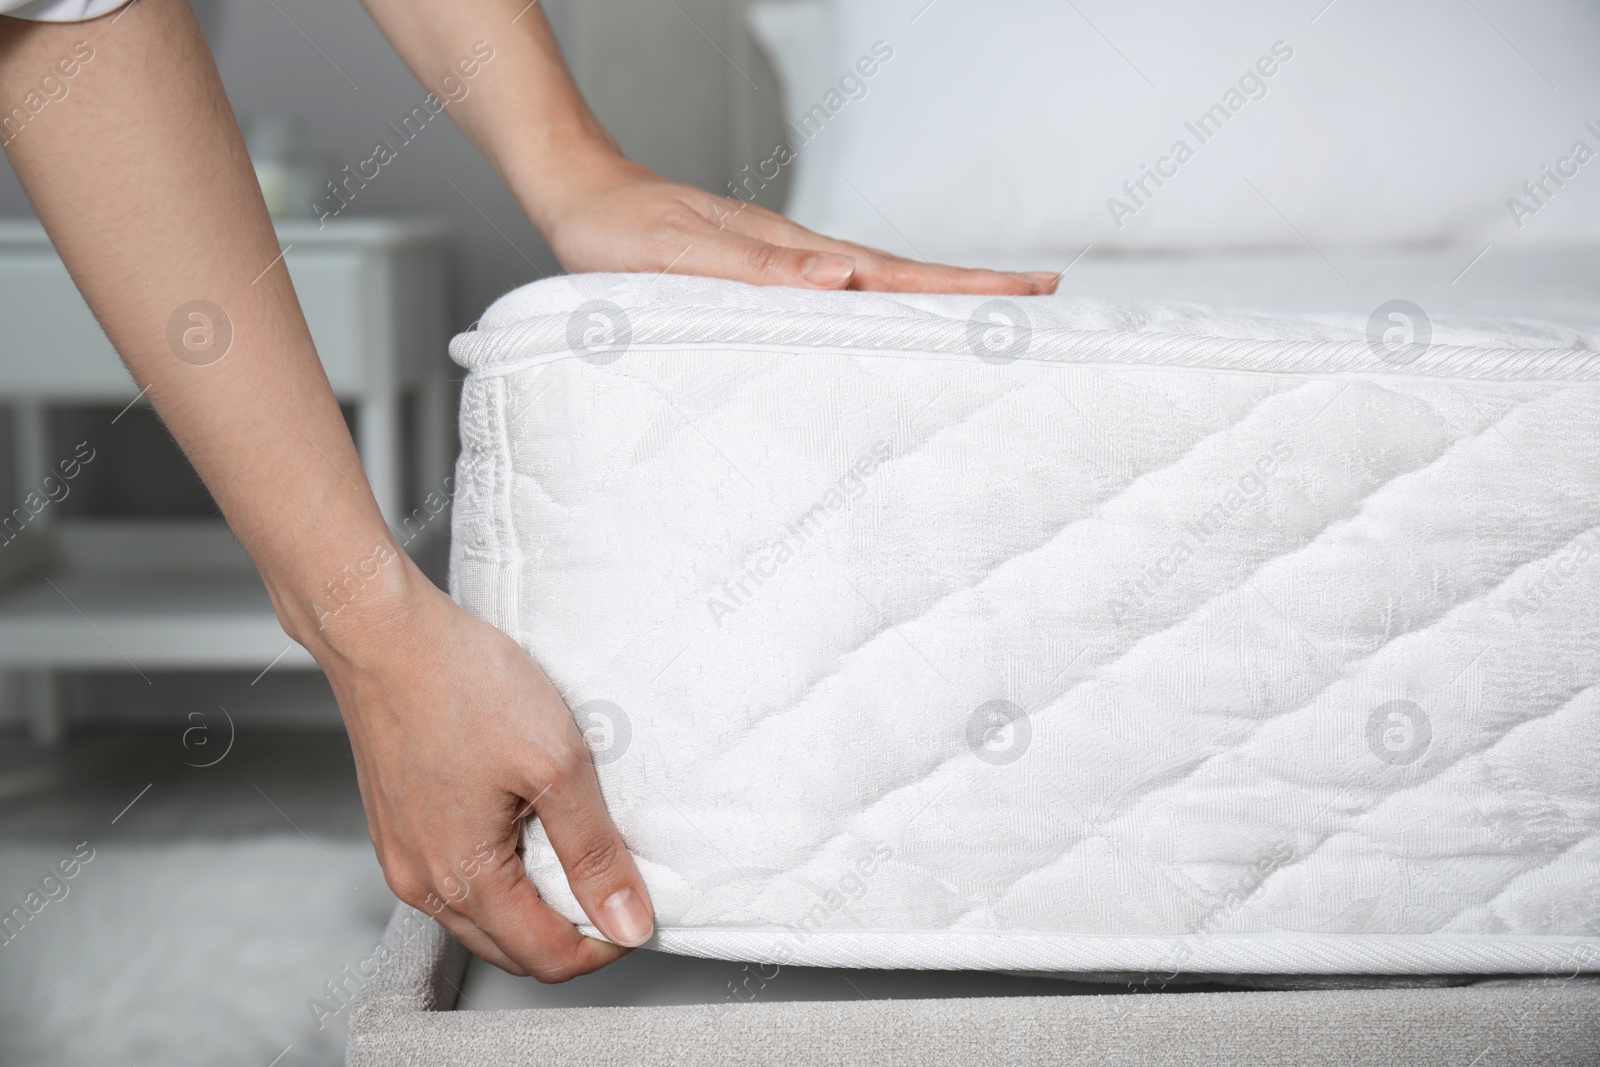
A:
(179, 953)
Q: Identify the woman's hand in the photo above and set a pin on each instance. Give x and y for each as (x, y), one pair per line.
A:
(624, 217)
(457, 736)
(600, 212)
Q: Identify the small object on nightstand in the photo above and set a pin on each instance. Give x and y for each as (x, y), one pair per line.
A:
(286, 164)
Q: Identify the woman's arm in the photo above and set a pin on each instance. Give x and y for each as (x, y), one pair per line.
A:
(142, 180)
(597, 210)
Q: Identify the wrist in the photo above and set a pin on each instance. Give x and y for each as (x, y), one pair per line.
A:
(344, 608)
(568, 167)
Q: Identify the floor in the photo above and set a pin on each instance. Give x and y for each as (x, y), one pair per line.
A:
(228, 881)
(202, 781)
(222, 888)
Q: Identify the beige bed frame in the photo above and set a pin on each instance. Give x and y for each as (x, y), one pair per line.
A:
(406, 1017)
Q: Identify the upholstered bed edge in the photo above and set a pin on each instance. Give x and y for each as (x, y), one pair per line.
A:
(405, 1018)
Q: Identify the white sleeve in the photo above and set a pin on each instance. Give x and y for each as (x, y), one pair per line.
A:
(60, 10)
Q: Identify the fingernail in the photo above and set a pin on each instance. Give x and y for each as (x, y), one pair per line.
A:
(628, 921)
(827, 270)
(1042, 280)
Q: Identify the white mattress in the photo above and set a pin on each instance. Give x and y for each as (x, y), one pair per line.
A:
(1300, 635)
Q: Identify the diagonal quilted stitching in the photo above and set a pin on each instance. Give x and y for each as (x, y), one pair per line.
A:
(987, 402)
(1521, 876)
(990, 570)
(1300, 859)
(1462, 442)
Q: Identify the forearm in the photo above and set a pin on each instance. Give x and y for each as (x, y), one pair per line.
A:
(142, 180)
(520, 108)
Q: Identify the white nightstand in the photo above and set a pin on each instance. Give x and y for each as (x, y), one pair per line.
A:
(148, 595)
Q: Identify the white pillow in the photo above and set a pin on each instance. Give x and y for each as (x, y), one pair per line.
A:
(1016, 125)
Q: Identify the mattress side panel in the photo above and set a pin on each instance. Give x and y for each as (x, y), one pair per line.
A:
(484, 558)
(976, 664)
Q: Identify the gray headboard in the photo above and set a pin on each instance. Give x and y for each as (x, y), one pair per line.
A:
(681, 84)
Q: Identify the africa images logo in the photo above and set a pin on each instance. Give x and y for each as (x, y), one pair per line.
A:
(599, 332)
(1399, 332)
(999, 332)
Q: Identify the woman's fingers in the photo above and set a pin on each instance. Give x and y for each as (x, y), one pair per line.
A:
(879, 270)
(882, 272)
(484, 898)
(503, 904)
(487, 900)
(418, 890)
(893, 274)
(835, 265)
(478, 943)
(599, 868)
(741, 258)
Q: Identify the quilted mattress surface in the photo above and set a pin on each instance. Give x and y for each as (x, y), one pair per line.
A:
(1058, 633)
